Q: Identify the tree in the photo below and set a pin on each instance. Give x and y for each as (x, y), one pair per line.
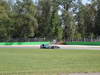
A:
(44, 15)
(97, 20)
(4, 21)
(56, 27)
(48, 19)
(25, 20)
(68, 18)
(85, 17)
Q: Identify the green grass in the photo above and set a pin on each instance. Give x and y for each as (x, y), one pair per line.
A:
(96, 43)
(27, 61)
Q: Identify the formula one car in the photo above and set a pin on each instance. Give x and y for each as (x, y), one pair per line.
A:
(46, 46)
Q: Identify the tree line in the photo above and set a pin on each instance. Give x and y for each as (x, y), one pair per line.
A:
(50, 19)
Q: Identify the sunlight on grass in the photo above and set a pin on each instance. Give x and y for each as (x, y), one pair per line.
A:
(21, 61)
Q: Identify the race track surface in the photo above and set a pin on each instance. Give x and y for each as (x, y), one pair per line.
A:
(66, 47)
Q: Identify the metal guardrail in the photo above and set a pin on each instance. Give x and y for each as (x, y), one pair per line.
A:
(44, 39)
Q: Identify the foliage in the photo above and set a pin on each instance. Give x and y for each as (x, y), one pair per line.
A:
(4, 21)
(25, 19)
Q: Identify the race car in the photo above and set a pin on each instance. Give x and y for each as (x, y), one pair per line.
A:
(47, 46)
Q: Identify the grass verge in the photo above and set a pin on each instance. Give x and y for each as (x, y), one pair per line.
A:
(27, 61)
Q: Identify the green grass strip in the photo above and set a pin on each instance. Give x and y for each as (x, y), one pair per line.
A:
(28, 61)
(23, 43)
(82, 43)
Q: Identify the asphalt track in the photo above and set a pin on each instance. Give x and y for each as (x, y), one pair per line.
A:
(65, 47)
